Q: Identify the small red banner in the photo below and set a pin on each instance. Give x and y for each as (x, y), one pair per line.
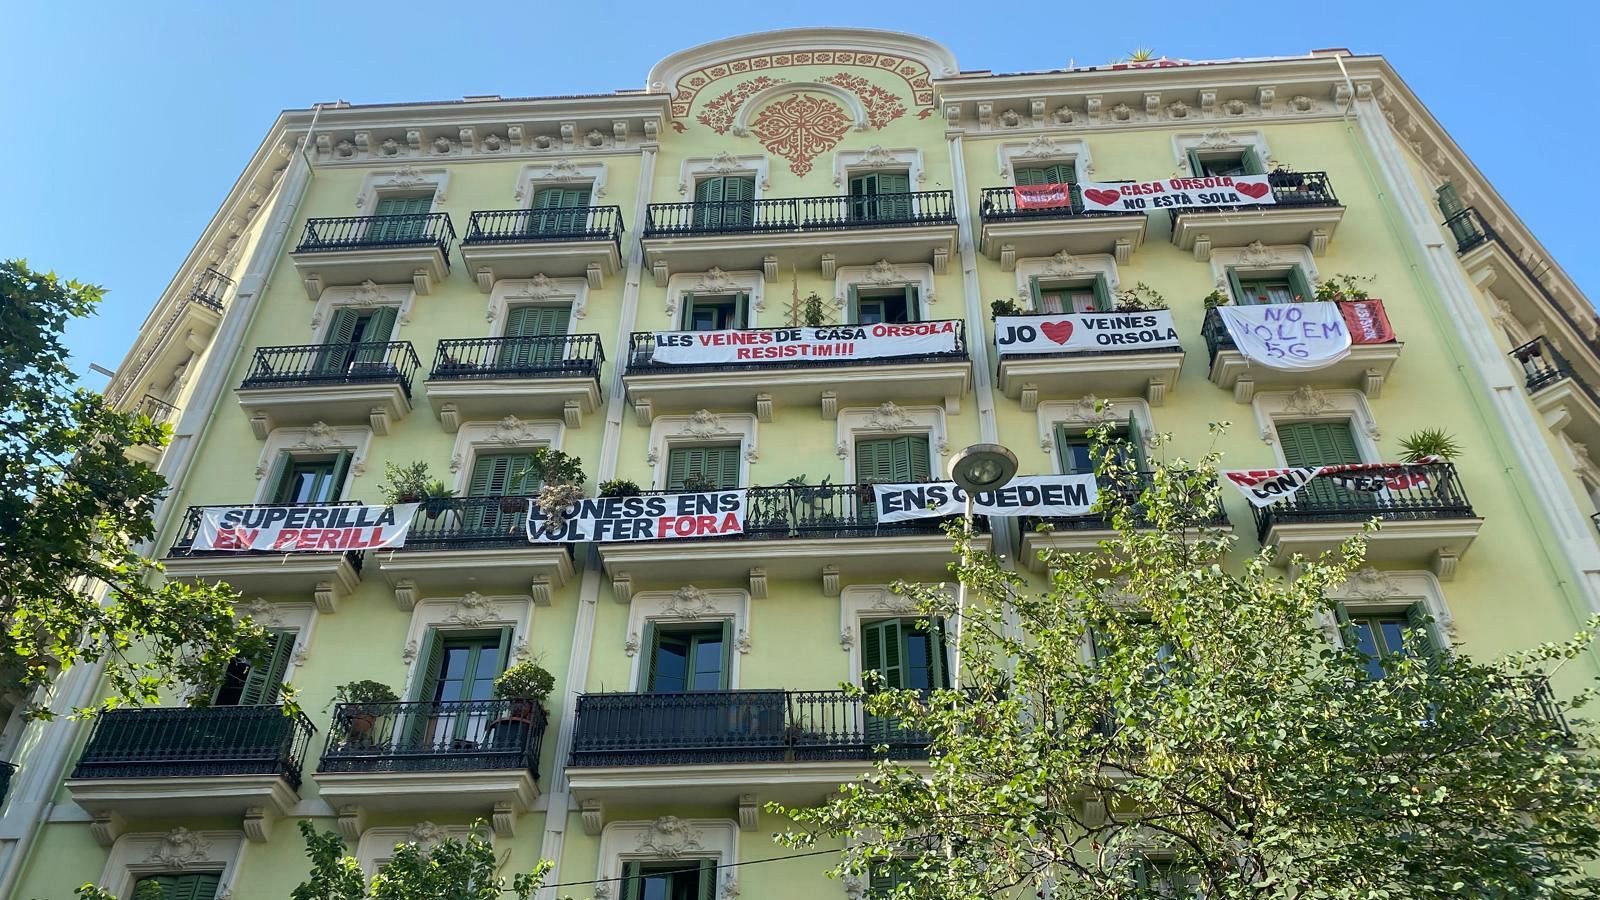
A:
(1367, 321)
(1043, 196)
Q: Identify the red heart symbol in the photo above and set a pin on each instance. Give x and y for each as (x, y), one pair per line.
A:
(1254, 190)
(1104, 198)
(1059, 332)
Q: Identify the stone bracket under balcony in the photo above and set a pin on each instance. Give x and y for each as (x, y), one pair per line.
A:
(743, 789)
(258, 802)
(1306, 212)
(351, 250)
(532, 570)
(1365, 369)
(1009, 234)
(559, 243)
(1149, 374)
(1436, 545)
(498, 795)
(326, 578)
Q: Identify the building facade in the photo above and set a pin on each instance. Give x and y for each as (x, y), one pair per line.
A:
(462, 283)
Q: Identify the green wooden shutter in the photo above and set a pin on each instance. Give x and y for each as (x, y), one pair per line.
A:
(1060, 173)
(741, 187)
(727, 657)
(1102, 294)
(266, 674)
(894, 207)
(1420, 630)
(678, 460)
(427, 681)
(341, 469)
(940, 677)
(1251, 160)
(534, 322)
(503, 649)
(280, 473)
(1064, 455)
(727, 468)
(918, 464)
(1033, 290)
(652, 646)
(1449, 200)
(855, 305)
(197, 886)
(688, 311)
(1026, 177)
(1301, 285)
(894, 183)
(913, 308)
(708, 190)
(1318, 444)
(632, 883)
(1239, 295)
(880, 651)
(873, 461)
(1196, 167)
(487, 470)
(342, 329)
(380, 327)
(741, 310)
(706, 889)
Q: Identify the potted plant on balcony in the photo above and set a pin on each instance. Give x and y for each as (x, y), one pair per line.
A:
(436, 497)
(619, 487)
(362, 701)
(561, 476)
(1140, 298)
(698, 483)
(1284, 175)
(525, 685)
(1216, 298)
(1429, 445)
(1340, 288)
(404, 484)
(1006, 307)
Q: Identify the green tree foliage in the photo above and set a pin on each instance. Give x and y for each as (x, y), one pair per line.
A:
(459, 870)
(1171, 726)
(73, 508)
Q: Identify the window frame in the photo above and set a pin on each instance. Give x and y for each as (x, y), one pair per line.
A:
(676, 451)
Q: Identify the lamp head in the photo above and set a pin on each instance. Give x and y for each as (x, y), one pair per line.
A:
(983, 467)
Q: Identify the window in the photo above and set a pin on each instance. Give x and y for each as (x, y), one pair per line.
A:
(1092, 295)
(892, 460)
(904, 655)
(1225, 162)
(687, 658)
(1386, 635)
(1060, 173)
(559, 211)
(356, 338)
(686, 879)
(1252, 289)
(1322, 444)
(1167, 878)
(195, 886)
(534, 322)
(408, 220)
(885, 876)
(714, 312)
(725, 202)
(880, 197)
(1074, 448)
(500, 475)
(458, 667)
(897, 305)
(250, 682)
(309, 479)
(703, 468)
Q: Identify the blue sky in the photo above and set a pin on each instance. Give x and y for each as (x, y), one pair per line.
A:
(130, 121)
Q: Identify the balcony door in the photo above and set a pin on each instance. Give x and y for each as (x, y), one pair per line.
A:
(357, 342)
(309, 479)
(1278, 287)
(1384, 636)
(1072, 297)
(682, 879)
(905, 657)
(559, 211)
(1322, 444)
(703, 468)
(715, 312)
(500, 475)
(725, 203)
(256, 681)
(896, 305)
(456, 687)
(192, 886)
(880, 197)
(1219, 163)
(1060, 173)
(897, 460)
(542, 327)
(687, 658)
(410, 223)
(1075, 449)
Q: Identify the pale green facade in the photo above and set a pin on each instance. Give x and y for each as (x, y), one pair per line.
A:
(807, 116)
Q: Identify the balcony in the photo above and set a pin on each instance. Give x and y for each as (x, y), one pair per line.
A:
(239, 762)
(1083, 534)
(1305, 211)
(383, 249)
(159, 412)
(1365, 368)
(1010, 233)
(476, 757)
(722, 746)
(7, 772)
(1545, 707)
(474, 544)
(1428, 523)
(775, 234)
(327, 577)
(521, 243)
(491, 378)
(1148, 373)
(655, 387)
(182, 335)
(826, 532)
(338, 384)
(1563, 397)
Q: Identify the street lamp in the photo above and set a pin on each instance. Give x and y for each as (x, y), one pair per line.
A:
(978, 468)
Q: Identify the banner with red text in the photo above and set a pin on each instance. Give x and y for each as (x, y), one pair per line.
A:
(1084, 332)
(1043, 196)
(290, 529)
(1367, 321)
(1177, 193)
(1264, 487)
(842, 342)
(650, 517)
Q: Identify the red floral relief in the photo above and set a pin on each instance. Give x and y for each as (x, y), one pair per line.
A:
(720, 113)
(800, 127)
(882, 106)
(691, 84)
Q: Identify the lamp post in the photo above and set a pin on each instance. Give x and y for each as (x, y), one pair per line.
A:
(978, 468)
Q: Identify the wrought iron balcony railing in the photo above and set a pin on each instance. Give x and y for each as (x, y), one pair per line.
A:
(1543, 365)
(1101, 521)
(999, 204)
(183, 544)
(1216, 335)
(1434, 492)
(642, 348)
(1469, 229)
(377, 232)
(545, 356)
(314, 364)
(516, 226)
(734, 726)
(175, 742)
(7, 771)
(798, 214)
(470, 523)
(156, 409)
(209, 288)
(1545, 706)
(457, 735)
(1290, 190)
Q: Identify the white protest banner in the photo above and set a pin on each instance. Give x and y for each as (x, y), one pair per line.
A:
(1264, 487)
(652, 517)
(1030, 495)
(1289, 335)
(1176, 193)
(1082, 332)
(289, 529)
(845, 342)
